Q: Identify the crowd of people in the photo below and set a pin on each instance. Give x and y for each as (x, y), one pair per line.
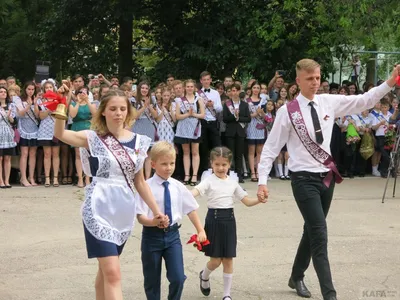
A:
(195, 116)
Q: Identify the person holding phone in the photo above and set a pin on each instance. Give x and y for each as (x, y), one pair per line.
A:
(275, 85)
(81, 112)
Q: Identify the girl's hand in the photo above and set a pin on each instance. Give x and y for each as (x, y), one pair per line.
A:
(202, 237)
(29, 101)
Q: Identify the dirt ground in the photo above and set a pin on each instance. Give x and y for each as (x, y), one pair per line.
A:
(43, 255)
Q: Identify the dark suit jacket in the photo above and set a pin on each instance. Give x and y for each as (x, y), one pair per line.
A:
(232, 126)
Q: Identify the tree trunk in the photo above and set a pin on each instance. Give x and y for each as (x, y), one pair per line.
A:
(370, 76)
(125, 59)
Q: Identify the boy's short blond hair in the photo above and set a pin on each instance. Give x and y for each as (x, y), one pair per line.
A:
(162, 148)
(307, 64)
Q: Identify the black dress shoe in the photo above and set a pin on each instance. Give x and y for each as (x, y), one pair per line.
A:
(241, 180)
(205, 292)
(300, 288)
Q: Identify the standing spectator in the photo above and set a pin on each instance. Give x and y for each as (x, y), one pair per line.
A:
(352, 88)
(81, 113)
(380, 122)
(51, 146)
(7, 137)
(210, 137)
(356, 64)
(236, 115)
(256, 129)
(170, 79)
(165, 121)
(293, 91)
(325, 86)
(3, 82)
(228, 81)
(146, 115)
(275, 85)
(189, 111)
(114, 80)
(10, 80)
(28, 125)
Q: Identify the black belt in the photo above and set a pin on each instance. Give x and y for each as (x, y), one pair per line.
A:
(210, 122)
(174, 227)
(309, 174)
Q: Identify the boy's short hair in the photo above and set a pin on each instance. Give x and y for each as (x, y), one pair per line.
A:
(162, 148)
(385, 101)
(307, 65)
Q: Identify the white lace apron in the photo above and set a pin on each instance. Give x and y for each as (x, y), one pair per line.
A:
(109, 209)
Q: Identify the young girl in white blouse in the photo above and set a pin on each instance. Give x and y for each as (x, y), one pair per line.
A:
(220, 225)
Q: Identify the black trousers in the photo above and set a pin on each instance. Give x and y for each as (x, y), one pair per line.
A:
(385, 158)
(350, 158)
(313, 199)
(361, 163)
(236, 145)
(210, 138)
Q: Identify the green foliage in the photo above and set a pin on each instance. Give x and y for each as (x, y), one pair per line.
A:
(244, 38)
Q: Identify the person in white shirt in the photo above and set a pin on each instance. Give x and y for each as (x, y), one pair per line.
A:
(364, 126)
(210, 136)
(221, 191)
(380, 124)
(311, 120)
(356, 63)
(175, 201)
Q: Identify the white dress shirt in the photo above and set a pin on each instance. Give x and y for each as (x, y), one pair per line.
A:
(221, 193)
(328, 108)
(382, 129)
(214, 96)
(182, 200)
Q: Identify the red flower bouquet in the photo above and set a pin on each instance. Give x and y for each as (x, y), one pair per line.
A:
(194, 239)
(390, 137)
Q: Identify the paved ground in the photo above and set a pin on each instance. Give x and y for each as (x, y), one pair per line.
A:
(43, 254)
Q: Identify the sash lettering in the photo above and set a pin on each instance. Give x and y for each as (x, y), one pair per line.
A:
(168, 117)
(186, 104)
(229, 104)
(319, 154)
(30, 113)
(205, 99)
(123, 158)
(3, 113)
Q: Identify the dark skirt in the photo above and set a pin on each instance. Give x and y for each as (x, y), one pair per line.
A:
(28, 143)
(181, 140)
(8, 152)
(48, 143)
(256, 141)
(98, 248)
(220, 227)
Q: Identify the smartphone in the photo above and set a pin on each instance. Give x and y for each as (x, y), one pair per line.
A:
(281, 72)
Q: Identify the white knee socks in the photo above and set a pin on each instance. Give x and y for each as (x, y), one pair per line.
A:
(280, 169)
(227, 284)
(206, 276)
(286, 170)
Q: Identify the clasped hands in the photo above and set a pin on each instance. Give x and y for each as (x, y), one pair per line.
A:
(161, 221)
(262, 193)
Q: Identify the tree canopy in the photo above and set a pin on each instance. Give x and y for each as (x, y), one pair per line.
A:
(226, 37)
